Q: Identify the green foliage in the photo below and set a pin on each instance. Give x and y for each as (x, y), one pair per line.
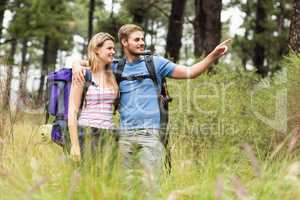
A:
(234, 104)
(33, 20)
(212, 117)
(274, 36)
(109, 22)
(80, 15)
(80, 11)
(146, 12)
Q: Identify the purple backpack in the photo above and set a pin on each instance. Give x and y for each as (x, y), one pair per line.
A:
(57, 102)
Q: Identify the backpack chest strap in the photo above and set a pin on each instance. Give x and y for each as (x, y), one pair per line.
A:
(133, 78)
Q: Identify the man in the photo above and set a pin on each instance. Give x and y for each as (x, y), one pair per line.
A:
(139, 109)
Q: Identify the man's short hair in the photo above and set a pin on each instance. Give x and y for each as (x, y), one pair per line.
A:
(126, 30)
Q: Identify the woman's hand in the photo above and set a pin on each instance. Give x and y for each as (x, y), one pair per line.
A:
(220, 50)
(75, 153)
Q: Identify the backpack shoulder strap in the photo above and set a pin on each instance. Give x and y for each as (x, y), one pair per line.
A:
(88, 75)
(151, 70)
(120, 69)
(88, 82)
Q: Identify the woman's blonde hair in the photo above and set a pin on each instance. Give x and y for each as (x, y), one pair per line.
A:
(96, 42)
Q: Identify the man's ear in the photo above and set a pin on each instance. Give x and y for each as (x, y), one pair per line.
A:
(124, 42)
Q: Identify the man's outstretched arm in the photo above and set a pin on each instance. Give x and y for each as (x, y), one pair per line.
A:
(182, 72)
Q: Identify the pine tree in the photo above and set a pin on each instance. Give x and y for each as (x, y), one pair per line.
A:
(294, 37)
(175, 30)
(207, 26)
(2, 10)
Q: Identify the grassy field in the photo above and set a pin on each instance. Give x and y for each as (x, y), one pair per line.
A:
(233, 136)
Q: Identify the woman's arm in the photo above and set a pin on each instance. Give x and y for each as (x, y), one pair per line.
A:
(74, 104)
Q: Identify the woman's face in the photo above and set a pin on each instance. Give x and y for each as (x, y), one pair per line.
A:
(106, 51)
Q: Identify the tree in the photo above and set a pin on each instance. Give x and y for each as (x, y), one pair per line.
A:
(91, 18)
(244, 57)
(34, 21)
(138, 10)
(10, 62)
(175, 30)
(109, 21)
(280, 24)
(207, 26)
(294, 36)
(21, 29)
(260, 29)
(199, 28)
(9, 73)
(56, 32)
(85, 15)
(23, 75)
(265, 23)
(2, 10)
(151, 15)
(50, 50)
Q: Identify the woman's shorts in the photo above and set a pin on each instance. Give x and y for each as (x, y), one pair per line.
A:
(95, 141)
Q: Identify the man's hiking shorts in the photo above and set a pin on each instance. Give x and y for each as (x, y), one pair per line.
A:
(142, 148)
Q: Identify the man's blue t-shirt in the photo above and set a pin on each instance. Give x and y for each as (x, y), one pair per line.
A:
(139, 105)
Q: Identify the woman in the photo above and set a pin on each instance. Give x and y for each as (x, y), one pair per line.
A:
(94, 121)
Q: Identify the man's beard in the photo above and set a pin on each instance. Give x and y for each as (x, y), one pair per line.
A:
(134, 53)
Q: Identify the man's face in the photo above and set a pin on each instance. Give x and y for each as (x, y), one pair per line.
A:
(135, 43)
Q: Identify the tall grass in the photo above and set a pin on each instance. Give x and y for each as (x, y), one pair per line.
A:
(222, 147)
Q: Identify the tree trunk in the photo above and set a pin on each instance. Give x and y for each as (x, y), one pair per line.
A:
(280, 27)
(207, 26)
(2, 10)
(259, 49)
(175, 30)
(152, 34)
(280, 16)
(294, 36)
(151, 46)
(112, 8)
(243, 48)
(9, 72)
(23, 76)
(212, 25)
(50, 50)
(199, 28)
(138, 16)
(44, 70)
(91, 19)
